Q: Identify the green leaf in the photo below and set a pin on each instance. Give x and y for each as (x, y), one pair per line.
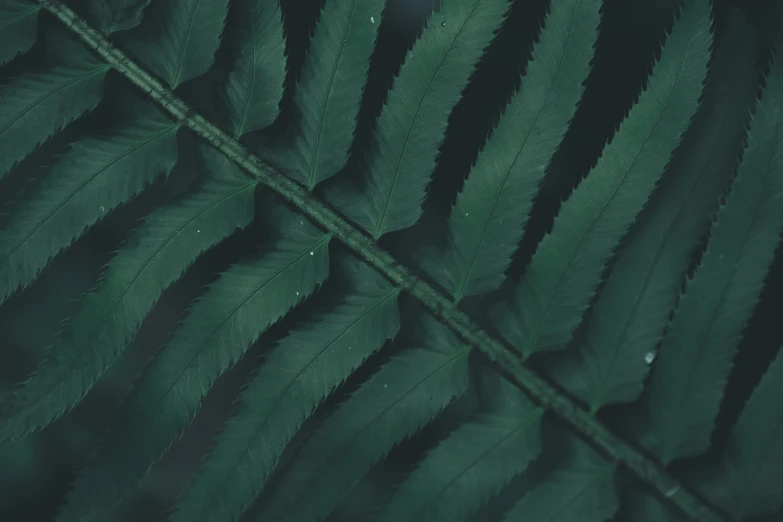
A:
(295, 377)
(110, 16)
(396, 402)
(635, 304)
(472, 464)
(330, 88)
(247, 299)
(254, 88)
(38, 103)
(413, 122)
(489, 216)
(178, 41)
(18, 28)
(547, 304)
(82, 186)
(581, 489)
(696, 355)
(155, 256)
(752, 463)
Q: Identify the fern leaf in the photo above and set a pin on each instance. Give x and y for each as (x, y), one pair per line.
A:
(413, 122)
(37, 104)
(18, 28)
(179, 43)
(294, 379)
(247, 299)
(156, 255)
(329, 91)
(83, 186)
(474, 463)
(548, 302)
(634, 305)
(695, 359)
(252, 93)
(581, 489)
(111, 16)
(393, 404)
(486, 223)
(751, 463)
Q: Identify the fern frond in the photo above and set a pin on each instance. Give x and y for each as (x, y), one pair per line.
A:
(751, 465)
(472, 465)
(246, 300)
(547, 304)
(489, 216)
(39, 102)
(179, 42)
(295, 377)
(18, 28)
(82, 187)
(252, 92)
(396, 402)
(330, 88)
(580, 489)
(111, 16)
(632, 310)
(696, 355)
(412, 123)
(155, 256)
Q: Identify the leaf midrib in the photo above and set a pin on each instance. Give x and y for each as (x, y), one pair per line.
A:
(440, 305)
(183, 51)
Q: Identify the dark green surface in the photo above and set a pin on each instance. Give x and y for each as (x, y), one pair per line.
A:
(350, 261)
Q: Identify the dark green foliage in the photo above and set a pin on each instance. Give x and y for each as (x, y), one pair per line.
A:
(254, 87)
(702, 339)
(116, 16)
(623, 331)
(555, 290)
(17, 28)
(386, 393)
(180, 42)
(501, 186)
(39, 102)
(413, 121)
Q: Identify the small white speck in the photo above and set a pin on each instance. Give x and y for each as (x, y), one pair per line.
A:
(350, 348)
(297, 293)
(312, 254)
(103, 209)
(672, 491)
(198, 231)
(466, 214)
(301, 222)
(649, 357)
(372, 19)
(385, 385)
(443, 24)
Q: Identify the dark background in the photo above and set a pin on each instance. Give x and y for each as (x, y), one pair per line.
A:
(35, 472)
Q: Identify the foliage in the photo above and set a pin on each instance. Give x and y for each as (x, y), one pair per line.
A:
(543, 364)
